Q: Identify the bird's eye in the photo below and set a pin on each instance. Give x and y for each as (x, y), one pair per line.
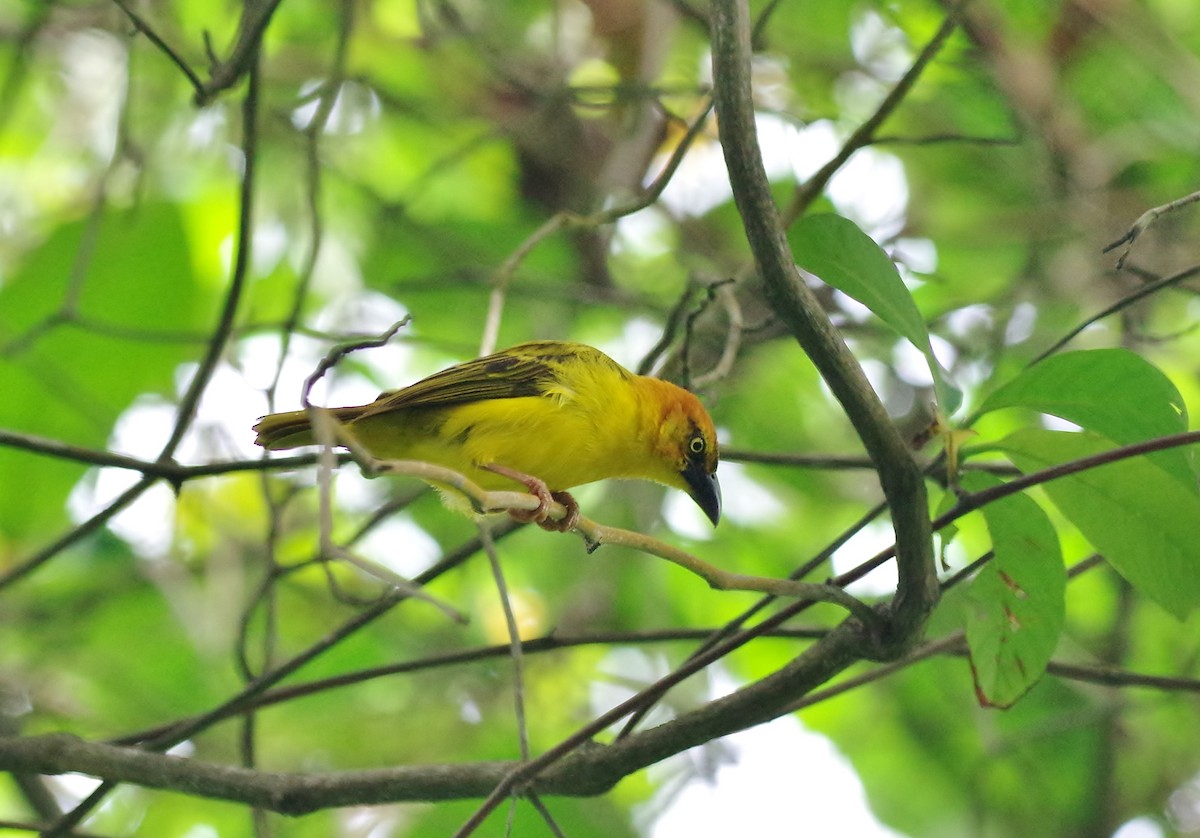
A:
(697, 445)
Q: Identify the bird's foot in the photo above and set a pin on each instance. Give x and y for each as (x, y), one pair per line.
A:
(538, 488)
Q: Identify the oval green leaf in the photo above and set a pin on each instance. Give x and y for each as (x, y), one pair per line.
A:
(842, 255)
(1016, 603)
(1113, 392)
(1140, 518)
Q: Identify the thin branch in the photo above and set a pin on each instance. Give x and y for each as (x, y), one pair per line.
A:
(327, 98)
(841, 462)
(532, 646)
(972, 502)
(204, 372)
(75, 534)
(734, 626)
(586, 772)
(518, 662)
(334, 355)
(566, 220)
(722, 580)
(243, 57)
(864, 135)
(237, 282)
(1144, 222)
(724, 292)
(504, 275)
(1121, 304)
(154, 38)
(173, 472)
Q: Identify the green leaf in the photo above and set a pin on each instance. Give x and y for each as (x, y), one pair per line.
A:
(1142, 520)
(70, 371)
(836, 250)
(1113, 392)
(1016, 603)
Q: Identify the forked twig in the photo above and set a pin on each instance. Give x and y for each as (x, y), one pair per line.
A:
(1144, 222)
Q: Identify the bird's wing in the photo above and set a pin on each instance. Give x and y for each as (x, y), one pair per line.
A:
(530, 369)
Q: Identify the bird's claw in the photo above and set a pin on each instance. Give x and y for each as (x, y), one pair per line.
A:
(546, 499)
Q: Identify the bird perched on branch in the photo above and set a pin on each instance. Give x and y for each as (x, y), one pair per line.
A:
(549, 415)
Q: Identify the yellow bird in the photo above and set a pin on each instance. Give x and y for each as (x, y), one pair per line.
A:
(549, 415)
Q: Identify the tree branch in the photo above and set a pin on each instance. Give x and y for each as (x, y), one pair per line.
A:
(797, 306)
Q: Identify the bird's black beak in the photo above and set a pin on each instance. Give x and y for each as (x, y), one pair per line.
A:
(703, 489)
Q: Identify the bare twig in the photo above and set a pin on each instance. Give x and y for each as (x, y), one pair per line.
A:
(1144, 222)
(237, 281)
(75, 534)
(567, 220)
(1121, 304)
(516, 654)
(243, 56)
(158, 41)
(864, 134)
(597, 534)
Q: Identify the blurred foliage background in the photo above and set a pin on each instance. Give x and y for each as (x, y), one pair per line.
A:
(177, 254)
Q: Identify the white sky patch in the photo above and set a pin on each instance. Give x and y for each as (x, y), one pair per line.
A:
(1054, 423)
(851, 308)
(1139, 828)
(354, 107)
(400, 545)
(623, 672)
(868, 542)
(94, 73)
(70, 789)
(205, 127)
(202, 830)
(811, 147)
(774, 780)
(356, 494)
(872, 190)
(224, 417)
(637, 337)
(876, 372)
(685, 518)
(701, 182)
(743, 501)
(1020, 324)
(269, 245)
(965, 321)
(911, 364)
(148, 524)
(879, 47)
(646, 232)
(365, 313)
(258, 358)
(1184, 808)
(919, 255)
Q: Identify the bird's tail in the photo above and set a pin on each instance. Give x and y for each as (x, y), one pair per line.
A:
(291, 430)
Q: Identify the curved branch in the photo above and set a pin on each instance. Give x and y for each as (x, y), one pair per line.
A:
(584, 771)
(797, 306)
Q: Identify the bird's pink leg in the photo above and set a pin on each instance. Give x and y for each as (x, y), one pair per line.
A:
(538, 488)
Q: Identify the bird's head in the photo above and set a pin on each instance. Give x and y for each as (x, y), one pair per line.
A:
(685, 446)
